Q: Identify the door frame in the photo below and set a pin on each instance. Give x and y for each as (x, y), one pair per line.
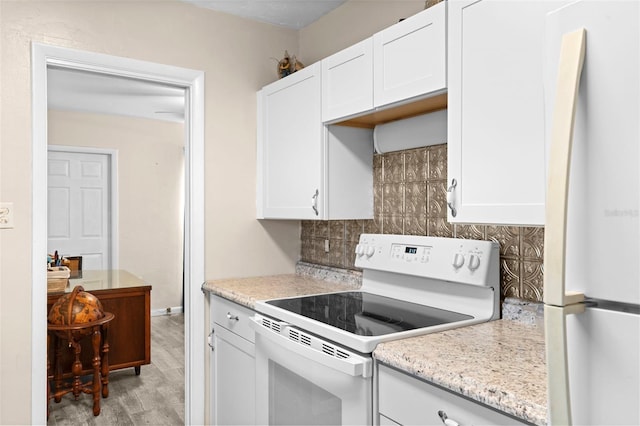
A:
(113, 192)
(42, 56)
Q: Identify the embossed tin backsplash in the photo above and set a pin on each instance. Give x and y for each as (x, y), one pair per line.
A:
(410, 198)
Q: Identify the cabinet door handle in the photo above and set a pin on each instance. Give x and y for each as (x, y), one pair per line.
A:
(210, 340)
(314, 202)
(451, 197)
(232, 317)
(446, 420)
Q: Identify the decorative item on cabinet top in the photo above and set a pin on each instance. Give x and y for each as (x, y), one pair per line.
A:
(288, 65)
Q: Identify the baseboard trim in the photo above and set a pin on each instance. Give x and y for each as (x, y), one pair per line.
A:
(166, 311)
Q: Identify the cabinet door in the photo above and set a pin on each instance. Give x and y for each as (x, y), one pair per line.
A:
(291, 147)
(234, 372)
(347, 81)
(410, 57)
(496, 111)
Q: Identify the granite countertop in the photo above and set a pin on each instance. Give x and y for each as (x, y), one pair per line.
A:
(499, 363)
(246, 291)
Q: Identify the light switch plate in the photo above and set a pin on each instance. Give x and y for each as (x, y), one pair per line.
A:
(6, 215)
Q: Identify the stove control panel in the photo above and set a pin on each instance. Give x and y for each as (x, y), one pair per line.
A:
(451, 259)
(410, 253)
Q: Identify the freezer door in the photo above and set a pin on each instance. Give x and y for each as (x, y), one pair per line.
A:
(603, 354)
(603, 233)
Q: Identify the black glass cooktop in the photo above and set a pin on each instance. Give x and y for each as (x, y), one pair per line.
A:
(367, 314)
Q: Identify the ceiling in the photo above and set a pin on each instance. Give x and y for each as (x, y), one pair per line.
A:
(75, 90)
(294, 14)
(82, 91)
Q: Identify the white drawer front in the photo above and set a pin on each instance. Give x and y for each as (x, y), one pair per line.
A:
(233, 317)
(409, 401)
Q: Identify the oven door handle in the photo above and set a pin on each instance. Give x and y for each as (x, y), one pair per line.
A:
(312, 347)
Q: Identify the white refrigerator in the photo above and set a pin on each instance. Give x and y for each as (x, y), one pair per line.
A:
(592, 256)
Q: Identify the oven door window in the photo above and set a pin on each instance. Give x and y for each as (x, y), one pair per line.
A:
(297, 401)
(295, 389)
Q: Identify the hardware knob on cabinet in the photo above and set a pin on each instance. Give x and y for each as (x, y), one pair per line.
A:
(451, 199)
(231, 317)
(314, 202)
(446, 420)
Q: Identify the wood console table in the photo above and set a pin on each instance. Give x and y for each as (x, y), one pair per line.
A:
(129, 299)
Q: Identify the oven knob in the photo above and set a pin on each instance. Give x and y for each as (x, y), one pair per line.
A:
(370, 251)
(359, 250)
(474, 262)
(458, 260)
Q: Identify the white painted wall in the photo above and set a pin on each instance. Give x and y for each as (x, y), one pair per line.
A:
(350, 23)
(233, 52)
(150, 192)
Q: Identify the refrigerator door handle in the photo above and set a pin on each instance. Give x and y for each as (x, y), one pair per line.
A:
(555, 336)
(558, 302)
(569, 70)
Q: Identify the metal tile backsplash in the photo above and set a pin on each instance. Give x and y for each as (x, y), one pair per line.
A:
(410, 198)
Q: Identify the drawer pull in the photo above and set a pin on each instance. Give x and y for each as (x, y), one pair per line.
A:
(232, 317)
(446, 420)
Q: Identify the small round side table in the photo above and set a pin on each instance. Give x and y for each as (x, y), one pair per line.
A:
(71, 335)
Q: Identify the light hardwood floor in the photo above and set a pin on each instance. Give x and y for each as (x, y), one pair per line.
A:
(155, 397)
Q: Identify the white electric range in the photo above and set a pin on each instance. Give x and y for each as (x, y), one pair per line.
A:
(316, 350)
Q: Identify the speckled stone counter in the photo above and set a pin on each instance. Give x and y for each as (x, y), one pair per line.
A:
(499, 363)
(246, 291)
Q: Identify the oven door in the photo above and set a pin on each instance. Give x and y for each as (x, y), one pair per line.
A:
(304, 380)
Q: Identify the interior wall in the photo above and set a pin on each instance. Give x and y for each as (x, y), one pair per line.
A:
(235, 55)
(150, 192)
(353, 21)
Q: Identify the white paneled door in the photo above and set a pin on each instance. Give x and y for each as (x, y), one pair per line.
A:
(79, 194)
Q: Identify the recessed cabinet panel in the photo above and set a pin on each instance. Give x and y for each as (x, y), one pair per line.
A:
(290, 147)
(496, 110)
(410, 57)
(347, 81)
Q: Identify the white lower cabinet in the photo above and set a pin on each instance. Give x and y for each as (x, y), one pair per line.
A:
(232, 364)
(406, 400)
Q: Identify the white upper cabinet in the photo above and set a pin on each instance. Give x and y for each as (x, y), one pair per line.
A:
(410, 57)
(496, 141)
(290, 147)
(306, 170)
(347, 81)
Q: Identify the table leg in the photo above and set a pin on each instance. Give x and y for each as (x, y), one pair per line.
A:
(76, 369)
(95, 340)
(57, 395)
(105, 361)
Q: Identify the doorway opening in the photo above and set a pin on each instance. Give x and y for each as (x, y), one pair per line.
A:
(192, 81)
